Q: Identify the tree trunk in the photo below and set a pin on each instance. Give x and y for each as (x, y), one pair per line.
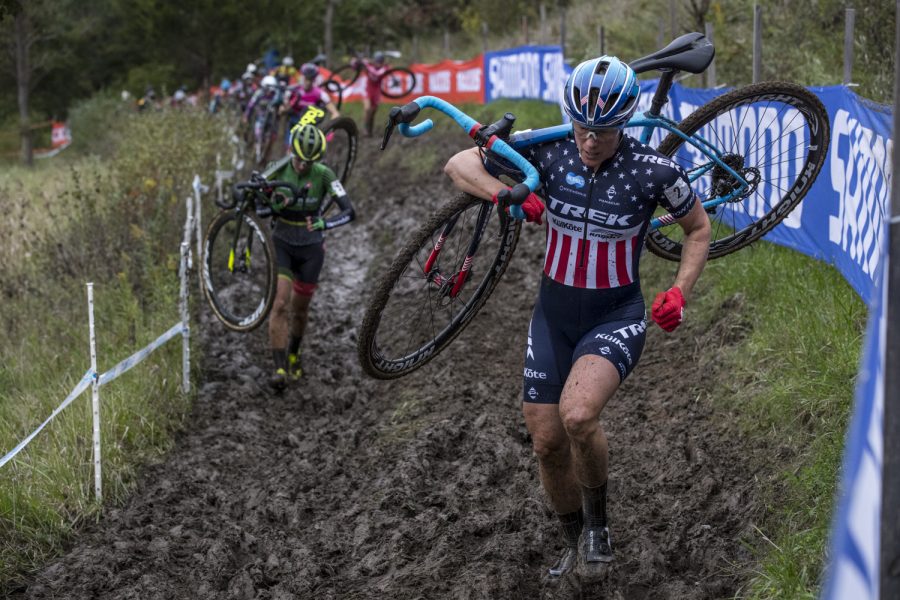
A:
(329, 40)
(23, 83)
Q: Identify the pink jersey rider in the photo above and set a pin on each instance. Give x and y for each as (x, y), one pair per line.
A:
(374, 74)
(299, 99)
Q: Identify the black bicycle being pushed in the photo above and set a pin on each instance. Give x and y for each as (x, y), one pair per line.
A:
(239, 272)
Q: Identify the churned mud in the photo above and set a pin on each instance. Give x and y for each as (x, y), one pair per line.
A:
(425, 487)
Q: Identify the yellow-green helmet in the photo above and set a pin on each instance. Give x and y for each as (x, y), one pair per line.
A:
(307, 142)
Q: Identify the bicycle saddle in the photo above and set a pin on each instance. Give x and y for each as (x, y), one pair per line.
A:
(691, 52)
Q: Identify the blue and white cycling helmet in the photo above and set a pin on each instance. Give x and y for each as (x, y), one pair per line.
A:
(601, 92)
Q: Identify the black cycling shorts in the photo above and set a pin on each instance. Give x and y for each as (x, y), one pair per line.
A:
(569, 323)
(300, 263)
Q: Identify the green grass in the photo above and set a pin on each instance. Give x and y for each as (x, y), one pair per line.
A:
(789, 377)
(116, 220)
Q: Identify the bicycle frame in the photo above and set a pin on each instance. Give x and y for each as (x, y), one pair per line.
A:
(649, 123)
(453, 285)
(239, 210)
(519, 141)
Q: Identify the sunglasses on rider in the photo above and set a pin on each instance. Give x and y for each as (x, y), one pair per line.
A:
(599, 133)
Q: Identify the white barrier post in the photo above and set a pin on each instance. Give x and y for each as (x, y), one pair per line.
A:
(95, 395)
(189, 227)
(185, 322)
(197, 220)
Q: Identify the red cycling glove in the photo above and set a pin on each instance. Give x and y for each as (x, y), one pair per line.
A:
(533, 208)
(668, 309)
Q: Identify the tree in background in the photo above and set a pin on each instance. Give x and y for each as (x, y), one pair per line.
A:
(73, 49)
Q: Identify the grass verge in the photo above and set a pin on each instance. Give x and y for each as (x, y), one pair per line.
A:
(117, 221)
(789, 379)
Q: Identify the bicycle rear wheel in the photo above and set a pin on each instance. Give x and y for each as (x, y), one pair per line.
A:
(340, 151)
(398, 82)
(413, 314)
(345, 75)
(239, 271)
(775, 135)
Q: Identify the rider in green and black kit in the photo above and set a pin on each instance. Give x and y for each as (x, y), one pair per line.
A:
(300, 244)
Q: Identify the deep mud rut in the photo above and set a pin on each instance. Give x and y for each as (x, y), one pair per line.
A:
(422, 488)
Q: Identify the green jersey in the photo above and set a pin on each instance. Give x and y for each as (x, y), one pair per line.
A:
(290, 223)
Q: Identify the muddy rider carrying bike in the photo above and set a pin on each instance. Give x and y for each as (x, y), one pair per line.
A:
(375, 72)
(300, 244)
(601, 187)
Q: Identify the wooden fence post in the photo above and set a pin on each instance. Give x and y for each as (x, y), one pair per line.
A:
(849, 22)
(757, 41)
(673, 20)
(562, 29)
(543, 9)
(711, 70)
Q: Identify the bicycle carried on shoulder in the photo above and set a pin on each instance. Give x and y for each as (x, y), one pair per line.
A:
(751, 155)
(397, 82)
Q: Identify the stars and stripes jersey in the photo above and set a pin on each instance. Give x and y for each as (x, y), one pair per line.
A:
(596, 221)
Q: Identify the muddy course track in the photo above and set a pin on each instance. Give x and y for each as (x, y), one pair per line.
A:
(424, 487)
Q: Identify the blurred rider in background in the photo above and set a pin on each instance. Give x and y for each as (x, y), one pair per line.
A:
(375, 71)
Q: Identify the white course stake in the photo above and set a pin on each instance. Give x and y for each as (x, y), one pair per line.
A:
(189, 227)
(185, 322)
(198, 189)
(95, 395)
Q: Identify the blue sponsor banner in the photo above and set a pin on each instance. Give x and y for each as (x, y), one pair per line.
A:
(535, 72)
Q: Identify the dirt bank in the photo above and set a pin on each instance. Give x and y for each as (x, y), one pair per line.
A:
(421, 488)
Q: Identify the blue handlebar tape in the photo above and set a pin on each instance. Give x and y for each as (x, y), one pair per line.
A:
(532, 179)
(416, 130)
(516, 211)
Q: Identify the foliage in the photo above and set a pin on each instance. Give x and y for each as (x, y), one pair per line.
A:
(117, 223)
(138, 43)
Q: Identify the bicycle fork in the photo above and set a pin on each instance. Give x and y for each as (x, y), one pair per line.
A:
(233, 251)
(451, 286)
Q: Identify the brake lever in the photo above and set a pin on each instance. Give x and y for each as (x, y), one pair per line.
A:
(506, 199)
(399, 114)
(389, 129)
(502, 205)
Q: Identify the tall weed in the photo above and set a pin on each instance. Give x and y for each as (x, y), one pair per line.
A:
(118, 223)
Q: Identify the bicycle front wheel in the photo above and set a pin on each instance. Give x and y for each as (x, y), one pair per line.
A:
(398, 82)
(336, 92)
(341, 138)
(239, 271)
(417, 307)
(775, 135)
